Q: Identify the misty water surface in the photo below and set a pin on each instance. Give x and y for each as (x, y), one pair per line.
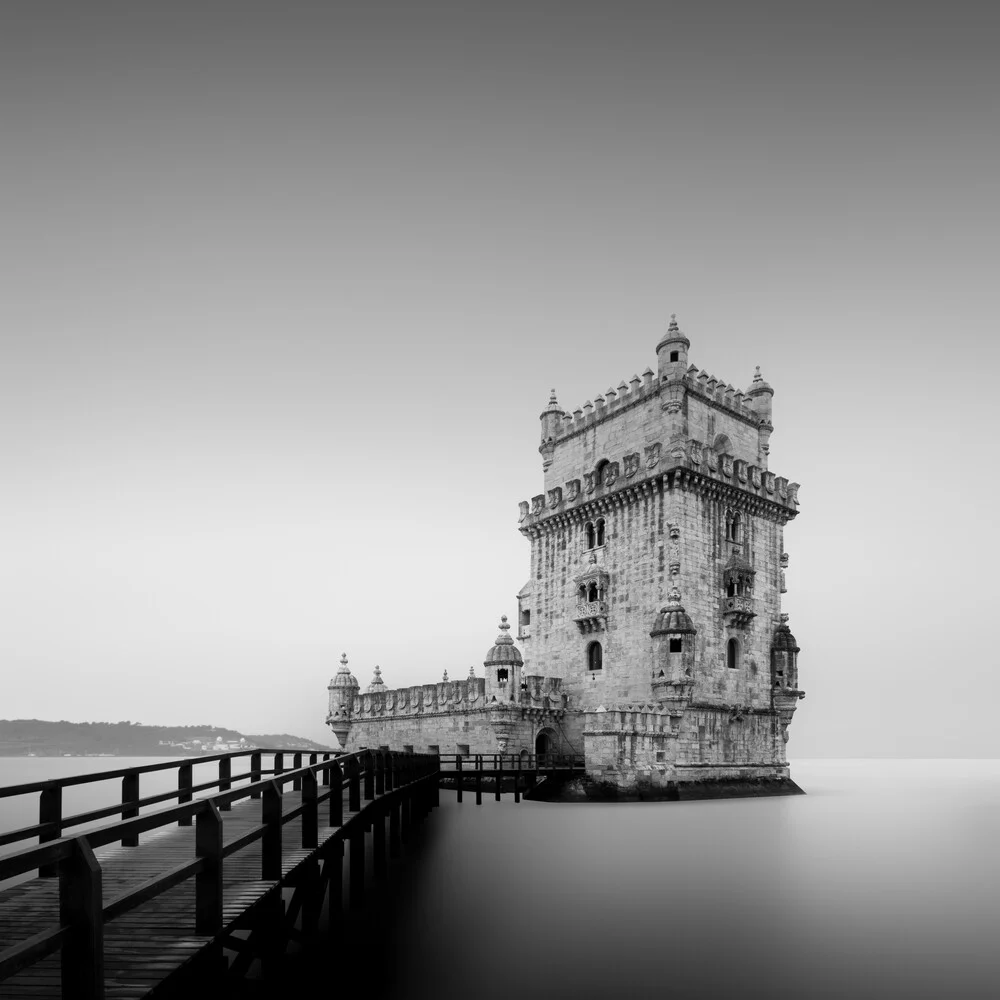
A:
(881, 881)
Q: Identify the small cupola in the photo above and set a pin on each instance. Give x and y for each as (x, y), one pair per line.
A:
(672, 353)
(673, 619)
(784, 657)
(552, 419)
(759, 395)
(673, 634)
(344, 681)
(503, 660)
(377, 685)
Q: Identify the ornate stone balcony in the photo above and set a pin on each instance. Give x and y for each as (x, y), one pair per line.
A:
(738, 611)
(591, 616)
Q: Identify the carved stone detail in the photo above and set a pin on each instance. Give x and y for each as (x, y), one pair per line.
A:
(652, 452)
(631, 465)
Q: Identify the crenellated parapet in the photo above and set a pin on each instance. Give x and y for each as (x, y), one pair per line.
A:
(627, 476)
(421, 699)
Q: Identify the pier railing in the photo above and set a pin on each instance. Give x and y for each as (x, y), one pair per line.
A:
(515, 773)
(401, 781)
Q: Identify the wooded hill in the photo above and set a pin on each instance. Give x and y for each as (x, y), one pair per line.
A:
(19, 737)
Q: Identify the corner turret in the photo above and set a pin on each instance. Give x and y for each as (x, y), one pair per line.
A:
(673, 636)
(343, 687)
(672, 353)
(759, 396)
(504, 665)
(552, 419)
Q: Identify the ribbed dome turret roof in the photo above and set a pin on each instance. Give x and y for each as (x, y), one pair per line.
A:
(758, 385)
(377, 683)
(503, 651)
(783, 641)
(673, 334)
(344, 677)
(673, 619)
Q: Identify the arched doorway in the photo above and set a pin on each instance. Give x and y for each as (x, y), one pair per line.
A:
(544, 748)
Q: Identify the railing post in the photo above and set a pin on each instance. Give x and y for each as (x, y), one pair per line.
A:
(310, 811)
(296, 764)
(405, 814)
(387, 776)
(130, 793)
(50, 811)
(369, 775)
(379, 772)
(458, 775)
(499, 777)
(436, 799)
(225, 780)
(185, 781)
(378, 844)
(357, 887)
(81, 907)
(394, 836)
(336, 795)
(326, 772)
(334, 857)
(517, 781)
(255, 773)
(479, 779)
(354, 785)
(270, 844)
(208, 882)
(279, 764)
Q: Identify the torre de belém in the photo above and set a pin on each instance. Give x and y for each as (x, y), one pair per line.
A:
(654, 642)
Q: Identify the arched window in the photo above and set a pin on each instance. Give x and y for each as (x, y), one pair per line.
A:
(735, 527)
(583, 592)
(599, 471)
(594, 659)
(733, 654)
(591, 536)
(600, 531)
(592, 592)
(730, 589)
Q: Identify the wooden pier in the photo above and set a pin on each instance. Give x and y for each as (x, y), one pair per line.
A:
(210, 890)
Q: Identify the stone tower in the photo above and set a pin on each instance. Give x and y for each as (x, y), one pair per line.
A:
(657, 556)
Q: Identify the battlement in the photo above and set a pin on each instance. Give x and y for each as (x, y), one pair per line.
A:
(712, 390)
(444, 697)
(624, 472)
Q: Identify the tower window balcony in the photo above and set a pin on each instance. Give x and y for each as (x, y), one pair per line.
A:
(737, 611)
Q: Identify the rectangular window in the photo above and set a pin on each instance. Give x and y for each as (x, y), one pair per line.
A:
(525, 617)
(433, 748)
(675, 645)
(462, 749)
(407, 748)
(661, 755)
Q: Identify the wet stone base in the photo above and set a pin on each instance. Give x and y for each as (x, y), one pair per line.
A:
(587, 789)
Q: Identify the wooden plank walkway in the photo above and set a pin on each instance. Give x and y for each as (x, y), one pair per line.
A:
(152, 942)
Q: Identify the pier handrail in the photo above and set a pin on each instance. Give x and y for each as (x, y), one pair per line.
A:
(82, 911)
(52, 823)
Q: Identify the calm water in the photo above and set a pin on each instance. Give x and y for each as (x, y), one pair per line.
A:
(882, 881)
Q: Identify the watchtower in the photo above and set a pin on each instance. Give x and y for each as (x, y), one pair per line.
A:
(657, 557)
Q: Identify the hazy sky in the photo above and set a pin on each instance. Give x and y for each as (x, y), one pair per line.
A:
(284, 287)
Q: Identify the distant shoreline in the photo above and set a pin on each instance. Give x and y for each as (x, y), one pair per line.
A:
(41, 738)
